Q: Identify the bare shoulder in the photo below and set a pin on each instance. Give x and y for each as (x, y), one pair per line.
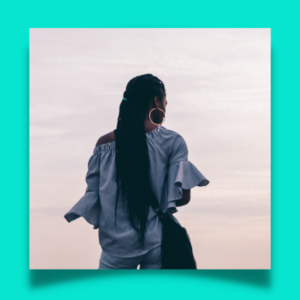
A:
(107, 138)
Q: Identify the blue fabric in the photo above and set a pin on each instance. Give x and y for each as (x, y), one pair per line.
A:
(149, 260)
(170, 172)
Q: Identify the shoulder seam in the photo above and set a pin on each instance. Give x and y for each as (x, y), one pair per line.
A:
(161, 146)
(175, 133)
(176, 136)
(180, 143)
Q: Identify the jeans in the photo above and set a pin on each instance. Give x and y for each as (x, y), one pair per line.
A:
(149, 260)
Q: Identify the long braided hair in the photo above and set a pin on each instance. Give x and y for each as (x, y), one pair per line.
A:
(132, 160)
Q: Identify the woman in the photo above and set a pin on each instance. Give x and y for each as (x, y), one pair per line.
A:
(138, 157)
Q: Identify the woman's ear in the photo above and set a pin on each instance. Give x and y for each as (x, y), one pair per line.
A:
(156, 101)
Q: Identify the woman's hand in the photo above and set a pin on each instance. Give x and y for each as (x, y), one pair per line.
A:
(186, 197)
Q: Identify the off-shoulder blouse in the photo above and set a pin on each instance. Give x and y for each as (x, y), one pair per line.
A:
(170, 172)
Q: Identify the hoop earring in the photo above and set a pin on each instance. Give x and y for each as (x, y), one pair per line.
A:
(150, 115)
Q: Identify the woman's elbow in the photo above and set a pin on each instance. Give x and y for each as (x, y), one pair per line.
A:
(186, 197)
(183, 201)
(186, 200)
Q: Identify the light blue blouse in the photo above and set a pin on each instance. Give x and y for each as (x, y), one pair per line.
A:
(170, 172)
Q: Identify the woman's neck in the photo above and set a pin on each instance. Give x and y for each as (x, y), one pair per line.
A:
(149, 126)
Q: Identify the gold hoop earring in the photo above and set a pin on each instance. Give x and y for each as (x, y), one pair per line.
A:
(161, 111)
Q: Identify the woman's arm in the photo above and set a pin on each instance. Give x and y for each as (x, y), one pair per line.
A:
(186, 196)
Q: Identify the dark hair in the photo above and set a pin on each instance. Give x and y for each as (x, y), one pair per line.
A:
(132, 160)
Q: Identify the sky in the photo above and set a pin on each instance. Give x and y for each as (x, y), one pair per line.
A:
(218, 92)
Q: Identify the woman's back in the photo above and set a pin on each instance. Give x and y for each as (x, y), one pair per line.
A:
(170, 172)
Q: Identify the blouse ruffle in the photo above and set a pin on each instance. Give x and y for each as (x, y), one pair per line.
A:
(182, 175)
(88, 206)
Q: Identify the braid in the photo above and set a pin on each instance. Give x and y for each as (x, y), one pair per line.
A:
(132, 160)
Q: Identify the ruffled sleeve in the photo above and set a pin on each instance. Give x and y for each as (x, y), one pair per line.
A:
(88, 206)
(182, 174)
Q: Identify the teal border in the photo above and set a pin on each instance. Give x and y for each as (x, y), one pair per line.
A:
(18, 282)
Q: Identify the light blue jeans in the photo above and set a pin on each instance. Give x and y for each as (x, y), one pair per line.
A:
(149, 260)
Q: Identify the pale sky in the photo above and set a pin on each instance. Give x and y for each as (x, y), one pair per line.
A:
(218, 92)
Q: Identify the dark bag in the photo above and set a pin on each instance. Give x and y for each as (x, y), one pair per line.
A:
(176, 248)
